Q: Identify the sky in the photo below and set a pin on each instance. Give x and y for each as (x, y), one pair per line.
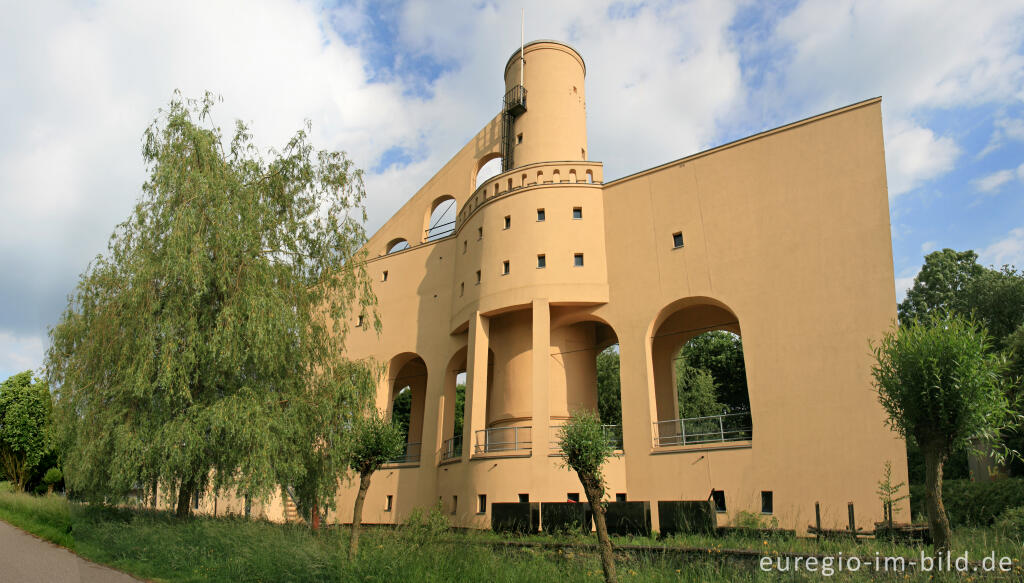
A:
(402, 86)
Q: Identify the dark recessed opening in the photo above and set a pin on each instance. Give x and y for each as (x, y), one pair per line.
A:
(481, 503)
(540, 215)
(719, 498)
(577, 259)
(767, 505)
(677, 240)
(573, 496)
(542, 261)
(577, 212)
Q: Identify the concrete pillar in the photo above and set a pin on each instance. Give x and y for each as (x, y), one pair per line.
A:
(432, 428)
(638, 407)
(475, 414)
(541, 362)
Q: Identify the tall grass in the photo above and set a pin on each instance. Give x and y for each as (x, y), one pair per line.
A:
(156, 545)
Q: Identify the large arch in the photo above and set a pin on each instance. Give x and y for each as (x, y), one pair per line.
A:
(408, 377)
(440, 221)
(451, 417)
(486, 168)
(675, 325)
(582, 345)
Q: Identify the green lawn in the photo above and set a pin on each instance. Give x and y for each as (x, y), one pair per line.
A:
(157, 546)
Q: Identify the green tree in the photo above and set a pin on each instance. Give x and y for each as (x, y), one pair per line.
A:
(460, 408)
(375, 440)
(222, 300)
(942, 387)
(585, 449)
(24, 426)
(721, 354)
(941, 285)
(696, 391)
(401, 411)
(609, 390)
(324, 419)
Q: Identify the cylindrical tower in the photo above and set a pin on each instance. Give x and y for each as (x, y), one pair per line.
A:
(553, 126)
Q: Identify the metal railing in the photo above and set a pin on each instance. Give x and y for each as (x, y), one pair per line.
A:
(504, 439)
(451, 448)
(695, 430)
(514, 101)
(613, 433)
(411, 455)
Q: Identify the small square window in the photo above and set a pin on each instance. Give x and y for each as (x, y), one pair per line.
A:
(677, 240)
(388, 503)
(577, 212)
(620, 497)
(540, 215)
(455, 504)
(573, 496)
(542, 261)
(481, 503)
(508, 221)
(524, 498)
(519, 139)
(504, 267)
(767, 506)
(478, 278)
(384, 275)
(479, 233)
(719, 497)
(577, 259)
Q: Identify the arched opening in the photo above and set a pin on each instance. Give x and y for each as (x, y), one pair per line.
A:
(700, 386)
(441, 222)
(489, 167)
(453, 407)
(396, 245)
(585, 375)
(408, 389)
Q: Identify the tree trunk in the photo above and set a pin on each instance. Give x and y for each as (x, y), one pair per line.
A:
(314, 518)
(357, 514)
(938, 522)
(14, 467)
(184, 508)
(592, 487)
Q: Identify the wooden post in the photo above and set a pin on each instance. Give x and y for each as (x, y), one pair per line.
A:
(853, 523)
(817, 519)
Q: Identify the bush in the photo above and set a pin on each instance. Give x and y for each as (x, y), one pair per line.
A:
(1011, 523)
(972, 503)
(426, 527)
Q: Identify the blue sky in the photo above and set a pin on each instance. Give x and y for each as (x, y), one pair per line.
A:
(401, 86)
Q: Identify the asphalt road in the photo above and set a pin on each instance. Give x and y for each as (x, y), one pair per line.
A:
(27, 559)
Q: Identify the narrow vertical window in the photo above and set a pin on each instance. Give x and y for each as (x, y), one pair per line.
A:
(455, 504)
(508, 221)
(577, 259)
(577, 212)
(481, 503)
(504, 267)
(480, 233)
(462, 289)
(519, 139)
(384, 275)
(359, 322)
(478, 277)
(465, 246)
(677, 240)
(388, 503)
(540, 215)
(767, 506)
(542, 261)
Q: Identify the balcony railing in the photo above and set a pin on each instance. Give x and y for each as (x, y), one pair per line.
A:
(613, 433)
(411, 455)
(503, 440)
(451, 448)
(696, 430)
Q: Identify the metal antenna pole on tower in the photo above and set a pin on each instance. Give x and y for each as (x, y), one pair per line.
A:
(522, 45)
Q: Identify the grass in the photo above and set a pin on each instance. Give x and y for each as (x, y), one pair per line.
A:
(157, 546)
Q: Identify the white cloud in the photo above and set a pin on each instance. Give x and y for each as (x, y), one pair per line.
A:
(927, 246)
(903, 284)
(20, 353)
(915, 155)
(1007, 251)
(993, 182)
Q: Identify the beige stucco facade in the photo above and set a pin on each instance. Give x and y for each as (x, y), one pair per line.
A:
(786, 241)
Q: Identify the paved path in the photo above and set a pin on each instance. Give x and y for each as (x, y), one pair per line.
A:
(27, 559)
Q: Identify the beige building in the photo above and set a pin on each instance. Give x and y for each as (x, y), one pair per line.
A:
(782, 237)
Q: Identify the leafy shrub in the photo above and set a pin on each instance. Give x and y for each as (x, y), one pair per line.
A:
(426, 527)
(1011, 523)
(972, 503)
(754, 521)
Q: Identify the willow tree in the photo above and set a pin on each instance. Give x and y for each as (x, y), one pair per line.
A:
(942, 387)
(221, 300)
